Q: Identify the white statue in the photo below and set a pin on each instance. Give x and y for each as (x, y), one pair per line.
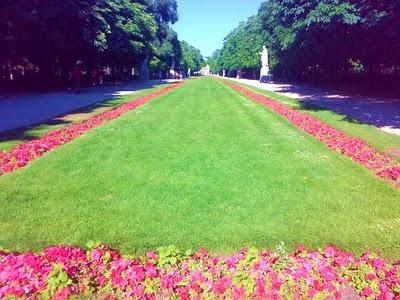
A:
(264, 74)
(172, 71)
(205, 71)
(223, 73)
(264, 57)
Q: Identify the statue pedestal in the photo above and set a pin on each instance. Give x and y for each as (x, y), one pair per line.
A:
(264, 74)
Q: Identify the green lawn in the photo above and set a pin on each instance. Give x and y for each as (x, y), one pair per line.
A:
(381, 140)
(200, 166)
(22, 135)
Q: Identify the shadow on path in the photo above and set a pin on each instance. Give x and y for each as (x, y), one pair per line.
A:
(381, 112)
(27, 117)
(18, 111)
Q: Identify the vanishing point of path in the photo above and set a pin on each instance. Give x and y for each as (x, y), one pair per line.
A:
(200, 166)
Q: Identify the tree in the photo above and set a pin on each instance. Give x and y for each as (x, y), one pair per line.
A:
(317, 39)
(241, 49)
(191, 57)
(215, 62)
(128, 32)
(309, 36)
(167, 54)
(50, 36)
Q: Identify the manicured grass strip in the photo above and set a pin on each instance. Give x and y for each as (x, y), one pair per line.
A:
(22, 154)
(381, 140)
(355, 148)
(102, 273)
(12, 138)
(202, 166)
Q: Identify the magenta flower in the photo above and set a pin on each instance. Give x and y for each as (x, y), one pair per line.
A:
(222, 285)
(303, 274)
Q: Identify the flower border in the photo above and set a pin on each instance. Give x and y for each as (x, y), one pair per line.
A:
(61, 272)
(358, 150)
(23, 154)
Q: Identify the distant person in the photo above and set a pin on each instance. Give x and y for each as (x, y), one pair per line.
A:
(76, 79)
(160, 75)
(93, 77)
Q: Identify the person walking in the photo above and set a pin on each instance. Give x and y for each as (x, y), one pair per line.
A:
(76, 79)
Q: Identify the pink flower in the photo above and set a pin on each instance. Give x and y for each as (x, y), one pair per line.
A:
(238, 293)
(327, 273)
(378, 264)
(152, 255)
(222, 285)
(260, 287)
(26, 275)
(367, 292)
(370, 276)
(330, 251)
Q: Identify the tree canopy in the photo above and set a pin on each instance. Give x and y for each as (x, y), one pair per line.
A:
(317, 39)
(46, 38)
(192, 58)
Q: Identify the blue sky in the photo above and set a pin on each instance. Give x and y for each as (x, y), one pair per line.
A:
(205, 23)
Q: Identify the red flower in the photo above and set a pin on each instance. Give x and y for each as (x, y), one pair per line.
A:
(222, 285)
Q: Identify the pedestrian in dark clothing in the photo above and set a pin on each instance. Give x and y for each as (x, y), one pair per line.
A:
(76, 79)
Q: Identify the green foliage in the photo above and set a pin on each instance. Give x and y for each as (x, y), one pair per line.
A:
(357, 274)
(308, 36)
(166, 11)
(56, 34)
(167, 53)
(191, 57)
(171, 255)
(57, 280)
(242, 277)
(129, 28)
(241, 47)
(317, 39)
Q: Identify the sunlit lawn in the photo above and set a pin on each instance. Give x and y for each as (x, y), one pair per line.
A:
(201, 166)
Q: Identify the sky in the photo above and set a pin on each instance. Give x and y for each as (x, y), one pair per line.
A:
(205, 23)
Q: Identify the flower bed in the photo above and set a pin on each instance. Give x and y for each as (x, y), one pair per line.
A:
(358, 150)
(61, 272)
(22, 154)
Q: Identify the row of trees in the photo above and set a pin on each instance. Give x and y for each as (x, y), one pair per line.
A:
(317, 40)
(42, 40)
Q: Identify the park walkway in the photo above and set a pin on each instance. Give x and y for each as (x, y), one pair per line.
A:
(383, 113)
(27, 109)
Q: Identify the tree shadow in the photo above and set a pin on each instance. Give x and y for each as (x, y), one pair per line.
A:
(112, 97)
(356, 108)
